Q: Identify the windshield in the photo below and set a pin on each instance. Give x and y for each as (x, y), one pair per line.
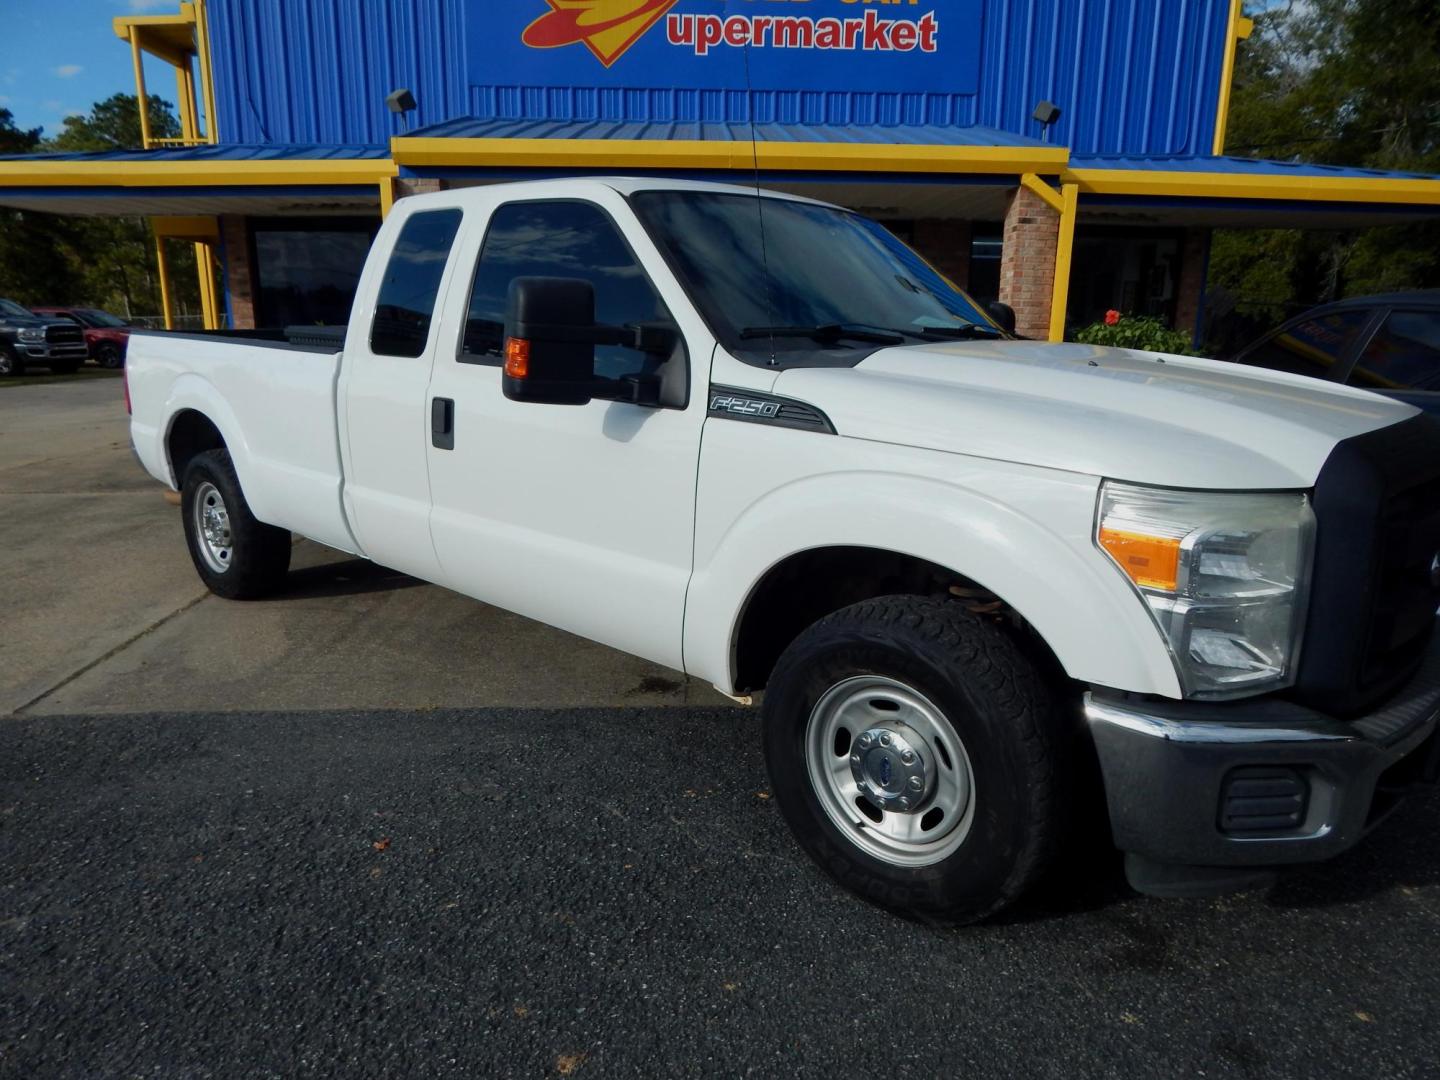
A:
(96, 317)
(14, 310)
(835, 278)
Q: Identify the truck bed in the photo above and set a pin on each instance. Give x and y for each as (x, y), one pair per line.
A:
(274, 402)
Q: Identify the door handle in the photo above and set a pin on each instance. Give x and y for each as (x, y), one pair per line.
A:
(442, 423)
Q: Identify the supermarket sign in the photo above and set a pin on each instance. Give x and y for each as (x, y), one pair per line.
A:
(825, 45)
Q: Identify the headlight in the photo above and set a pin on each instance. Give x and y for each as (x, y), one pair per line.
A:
(32, 333)
(1225, 575)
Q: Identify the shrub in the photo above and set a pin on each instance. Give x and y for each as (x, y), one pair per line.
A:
(1143, 332)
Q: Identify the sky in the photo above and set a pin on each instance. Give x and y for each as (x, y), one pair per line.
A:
(62, 56)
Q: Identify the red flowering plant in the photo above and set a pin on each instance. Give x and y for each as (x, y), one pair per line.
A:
(1143, 332)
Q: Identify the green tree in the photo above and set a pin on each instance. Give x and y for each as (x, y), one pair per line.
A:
(1337, 82)
(34, 248)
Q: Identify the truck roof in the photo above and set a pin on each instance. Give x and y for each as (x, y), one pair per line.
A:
(625, 185)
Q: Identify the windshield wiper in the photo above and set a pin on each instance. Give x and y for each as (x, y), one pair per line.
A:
(829, 333)
(961, 330)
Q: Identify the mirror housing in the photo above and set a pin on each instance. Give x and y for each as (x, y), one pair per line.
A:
(1003, 314)
(550, 339)
(549, 351)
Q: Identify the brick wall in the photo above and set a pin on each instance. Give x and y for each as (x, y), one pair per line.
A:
(239, 278)
(1190, 289)
(416, 186)
(946, 246)
(1027, 262)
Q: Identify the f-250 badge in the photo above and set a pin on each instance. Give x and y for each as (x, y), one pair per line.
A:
(743, 406)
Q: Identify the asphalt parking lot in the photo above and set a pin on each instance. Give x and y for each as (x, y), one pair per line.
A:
(371, 828)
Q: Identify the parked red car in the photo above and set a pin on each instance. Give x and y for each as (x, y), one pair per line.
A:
(106, 336)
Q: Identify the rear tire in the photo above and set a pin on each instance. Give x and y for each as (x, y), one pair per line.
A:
(960, 811)
(236, 556)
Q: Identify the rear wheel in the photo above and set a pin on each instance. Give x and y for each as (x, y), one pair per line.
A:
(912, 749)
(108, 355)
(236, 556)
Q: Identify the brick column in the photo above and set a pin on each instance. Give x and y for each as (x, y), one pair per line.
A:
(239, 278)
(1190, 288)
(405, 185)
(1027, 262)
(945, 243)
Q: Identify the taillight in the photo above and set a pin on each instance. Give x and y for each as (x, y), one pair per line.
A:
(125, 381)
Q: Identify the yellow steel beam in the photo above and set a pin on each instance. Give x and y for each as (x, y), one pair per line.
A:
(723, 154)
(207, 296)
(1053, 198)
(142, 99)
(1064, 249)
(196, 228)
(207, 75)
(387, 197)
(193, 173)
(1233, 37)
(162, 269)
(1197, 185)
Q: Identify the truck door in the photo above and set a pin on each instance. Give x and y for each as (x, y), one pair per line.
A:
(384, 430)
(579, 516)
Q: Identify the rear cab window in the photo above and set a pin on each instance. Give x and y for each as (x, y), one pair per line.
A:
(405, 310)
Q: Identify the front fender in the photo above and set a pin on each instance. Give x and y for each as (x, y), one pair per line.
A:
(1022, 533)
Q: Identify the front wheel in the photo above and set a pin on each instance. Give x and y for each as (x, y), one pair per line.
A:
(236, 556)
(912, 749)
(10, 364)
(108, 356)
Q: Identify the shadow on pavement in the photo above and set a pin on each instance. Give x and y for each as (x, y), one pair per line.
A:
(351, 577)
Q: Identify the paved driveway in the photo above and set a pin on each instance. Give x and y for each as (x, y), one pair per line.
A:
(371, 828)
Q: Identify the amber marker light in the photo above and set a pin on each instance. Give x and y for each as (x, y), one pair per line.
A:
(517, 358)
(1152, 562)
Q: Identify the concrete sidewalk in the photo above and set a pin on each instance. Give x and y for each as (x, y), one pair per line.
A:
(101, 610)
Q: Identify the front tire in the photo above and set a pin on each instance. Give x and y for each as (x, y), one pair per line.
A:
(108, 356)
(912, 749)
(10, 364)
(236, 556)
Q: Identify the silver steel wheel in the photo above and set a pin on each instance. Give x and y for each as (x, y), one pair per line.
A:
(890, 771)
(212, 527)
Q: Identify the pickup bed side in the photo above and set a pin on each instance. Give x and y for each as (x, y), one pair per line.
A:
(272, 405)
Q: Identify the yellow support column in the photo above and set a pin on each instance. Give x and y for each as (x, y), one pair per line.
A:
(387, 197)
(144, 98)
(207, 76)
(162, 268)
(1064, 249)
(206, 277)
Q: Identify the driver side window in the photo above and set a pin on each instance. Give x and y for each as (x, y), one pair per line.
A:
(569, 240)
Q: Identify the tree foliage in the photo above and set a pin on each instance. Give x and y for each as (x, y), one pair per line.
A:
(1336, 82)
(106, 262)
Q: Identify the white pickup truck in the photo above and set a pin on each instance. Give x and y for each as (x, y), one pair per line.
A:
(757, 439)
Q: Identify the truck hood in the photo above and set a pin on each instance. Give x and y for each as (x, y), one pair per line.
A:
(1145, 417)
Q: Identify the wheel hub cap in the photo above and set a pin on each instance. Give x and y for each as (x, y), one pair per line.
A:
(212, 523)
(889, 767)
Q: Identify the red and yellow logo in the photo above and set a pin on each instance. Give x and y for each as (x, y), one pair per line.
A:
(606, 27)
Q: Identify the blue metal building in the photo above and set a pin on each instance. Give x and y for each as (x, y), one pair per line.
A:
(1017, 143)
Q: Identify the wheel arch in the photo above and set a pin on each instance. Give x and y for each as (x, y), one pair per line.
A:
(788, 561)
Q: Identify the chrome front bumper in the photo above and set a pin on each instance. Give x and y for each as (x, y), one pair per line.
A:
(1259, 784)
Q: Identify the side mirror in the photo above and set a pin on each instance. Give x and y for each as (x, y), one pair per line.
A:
(549, 341)
(1003, 314)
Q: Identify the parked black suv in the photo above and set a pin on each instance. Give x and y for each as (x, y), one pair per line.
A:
(27, 339)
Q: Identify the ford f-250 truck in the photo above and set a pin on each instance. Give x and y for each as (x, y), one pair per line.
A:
(757, 439)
